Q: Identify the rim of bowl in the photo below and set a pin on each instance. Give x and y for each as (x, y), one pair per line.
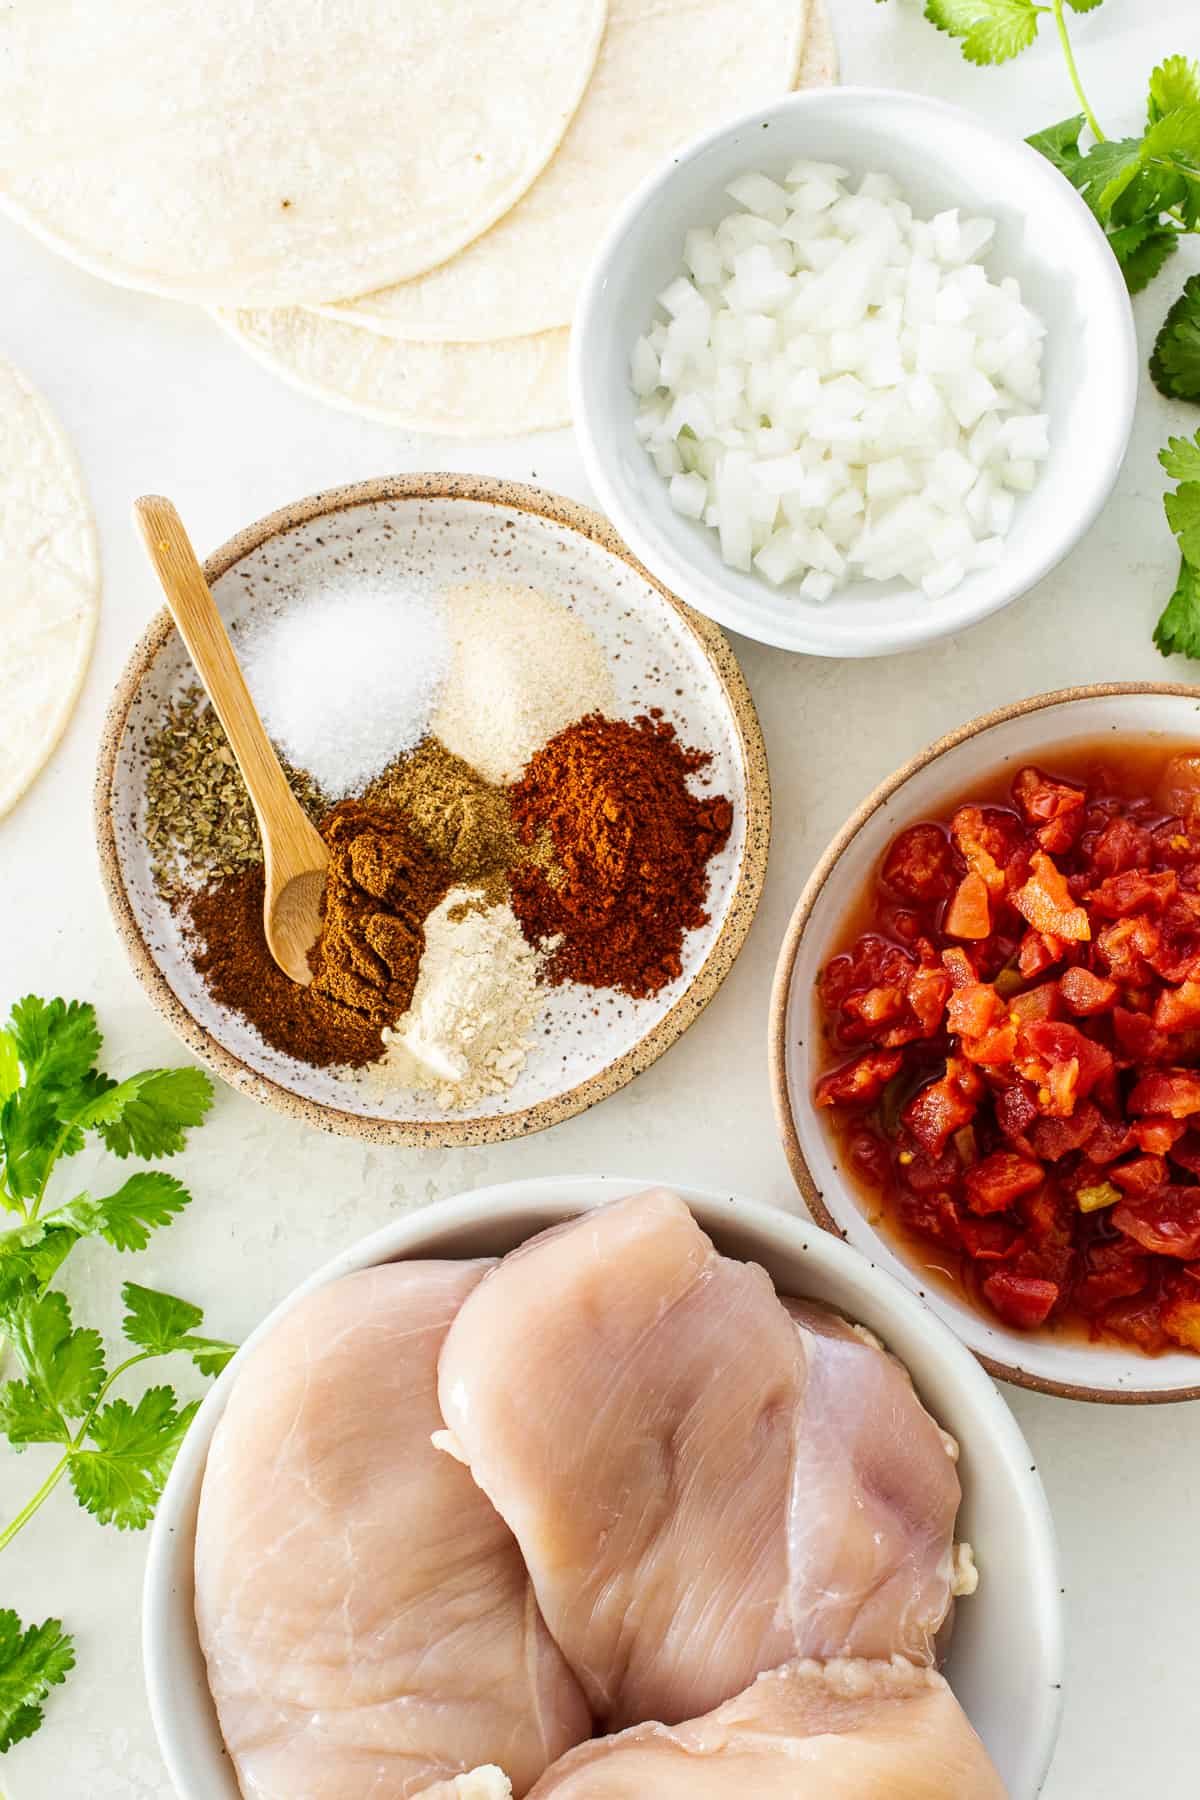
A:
(408, 1236)
(448, 1132)
(785, 1118)
(929, 624)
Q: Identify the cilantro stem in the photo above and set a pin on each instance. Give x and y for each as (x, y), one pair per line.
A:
(1064, 38)
(73, 1448)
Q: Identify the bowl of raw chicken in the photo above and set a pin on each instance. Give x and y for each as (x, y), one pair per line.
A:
(583, 1490)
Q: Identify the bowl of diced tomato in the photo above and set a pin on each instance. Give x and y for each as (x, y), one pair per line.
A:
(986, 1038)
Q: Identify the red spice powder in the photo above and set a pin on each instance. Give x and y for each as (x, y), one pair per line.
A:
(631, 848)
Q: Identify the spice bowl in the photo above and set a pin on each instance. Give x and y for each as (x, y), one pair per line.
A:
(942, 157)
(1005, 1657)
(428, 532)
(1068, 1363)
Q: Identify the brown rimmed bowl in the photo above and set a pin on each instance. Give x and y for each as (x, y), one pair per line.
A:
(435, 529)
(1028, 731)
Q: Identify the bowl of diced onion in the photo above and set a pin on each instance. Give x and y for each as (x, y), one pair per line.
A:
(853, 371)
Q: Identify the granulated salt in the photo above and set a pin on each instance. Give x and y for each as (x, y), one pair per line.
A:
(348, 679)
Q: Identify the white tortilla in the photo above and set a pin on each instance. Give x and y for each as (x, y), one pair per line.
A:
(667, 70)
(453, 390)
(49, 584)
(493, 389)
(265, 152)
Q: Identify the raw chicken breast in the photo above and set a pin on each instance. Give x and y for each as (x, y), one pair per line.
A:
(643, 1414)
(367, 1620)
(625, 1396)
(839, 1731)
(873, 1501)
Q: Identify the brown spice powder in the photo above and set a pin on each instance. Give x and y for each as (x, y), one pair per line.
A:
(226, 920)
(382, 885)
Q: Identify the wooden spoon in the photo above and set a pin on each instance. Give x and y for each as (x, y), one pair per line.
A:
(295, 853)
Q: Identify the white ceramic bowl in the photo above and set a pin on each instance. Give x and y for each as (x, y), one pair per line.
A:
(1006, 1654)
(942, 157)
(1030, 731)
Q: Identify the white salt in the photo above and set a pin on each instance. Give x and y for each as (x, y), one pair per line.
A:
(347, 679)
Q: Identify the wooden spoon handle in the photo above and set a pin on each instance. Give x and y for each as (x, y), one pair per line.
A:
(200, 625)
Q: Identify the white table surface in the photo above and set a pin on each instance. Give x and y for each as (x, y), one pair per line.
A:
(156, 398)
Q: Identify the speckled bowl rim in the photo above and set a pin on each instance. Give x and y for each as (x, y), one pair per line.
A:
(782, 984)
(448, 1132)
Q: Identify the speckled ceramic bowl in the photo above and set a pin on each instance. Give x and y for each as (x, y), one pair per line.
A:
(1030, 731)
(1005, 1659)
(445, 529)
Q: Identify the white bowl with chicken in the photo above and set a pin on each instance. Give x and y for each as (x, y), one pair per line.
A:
(933, 161)
(624, 1645)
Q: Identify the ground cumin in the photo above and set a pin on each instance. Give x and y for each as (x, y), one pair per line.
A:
(381, 887)
(465, 821)
(226, 921)
(631, 842)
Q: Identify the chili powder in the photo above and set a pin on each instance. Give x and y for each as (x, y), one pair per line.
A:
(631, 848)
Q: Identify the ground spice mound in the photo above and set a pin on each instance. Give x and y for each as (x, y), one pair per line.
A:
(381, 887)
(463, 820)
(226, 920)
(631, 845)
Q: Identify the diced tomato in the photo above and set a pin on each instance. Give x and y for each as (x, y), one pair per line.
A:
(1054, 1138)
(1037, 1003)
(986, 838)
(1054, 807)
(860, 1082)
(1178, 1009)
(1000, 1179)
(920, 865)
(928, 1173)
(871, 962)
(1112, 1270)
(990, 1240)
(973, 1010)
(1156, 1134)
(1061, 1062)
(1133, 891)
(1166, 1222)
(1138, 1321)
(869, 1154)
(1086, 994)
(1047, 903)
(1016, 1109)
(1108, 1141)
(995, 1048)
(1175, 1092)
(969, 915)
(1023, 1301)
(1137, 1039)
(1141, 1175)
(876, 1006)
(1125, 946)
(1180, 1310)
(959, 967)
(1185, 1154)
(1179, 785)
(1040, 951)
(927, 993)
(1121, 845)
(944, 1106)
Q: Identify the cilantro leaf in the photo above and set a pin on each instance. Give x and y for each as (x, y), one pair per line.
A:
(1181, 458)
(991, 31)
(150, 1113)
(1083, 5)
(58, 1041)
(26, 1418)
(1175, 362)
(1142, 250)
(162, 1323)
(1176, 137)
(1183, 516)
(29, 1128)
(31, 1663)
(1175, 82)
(1178, 630)
(125, 1219)
(30, 1256)
(121, 1479)
(10, 1065)
(1059, 144)
(65, 1367)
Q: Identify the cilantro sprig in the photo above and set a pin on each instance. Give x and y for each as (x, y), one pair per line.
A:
(1144, 192)
(116, 1453)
